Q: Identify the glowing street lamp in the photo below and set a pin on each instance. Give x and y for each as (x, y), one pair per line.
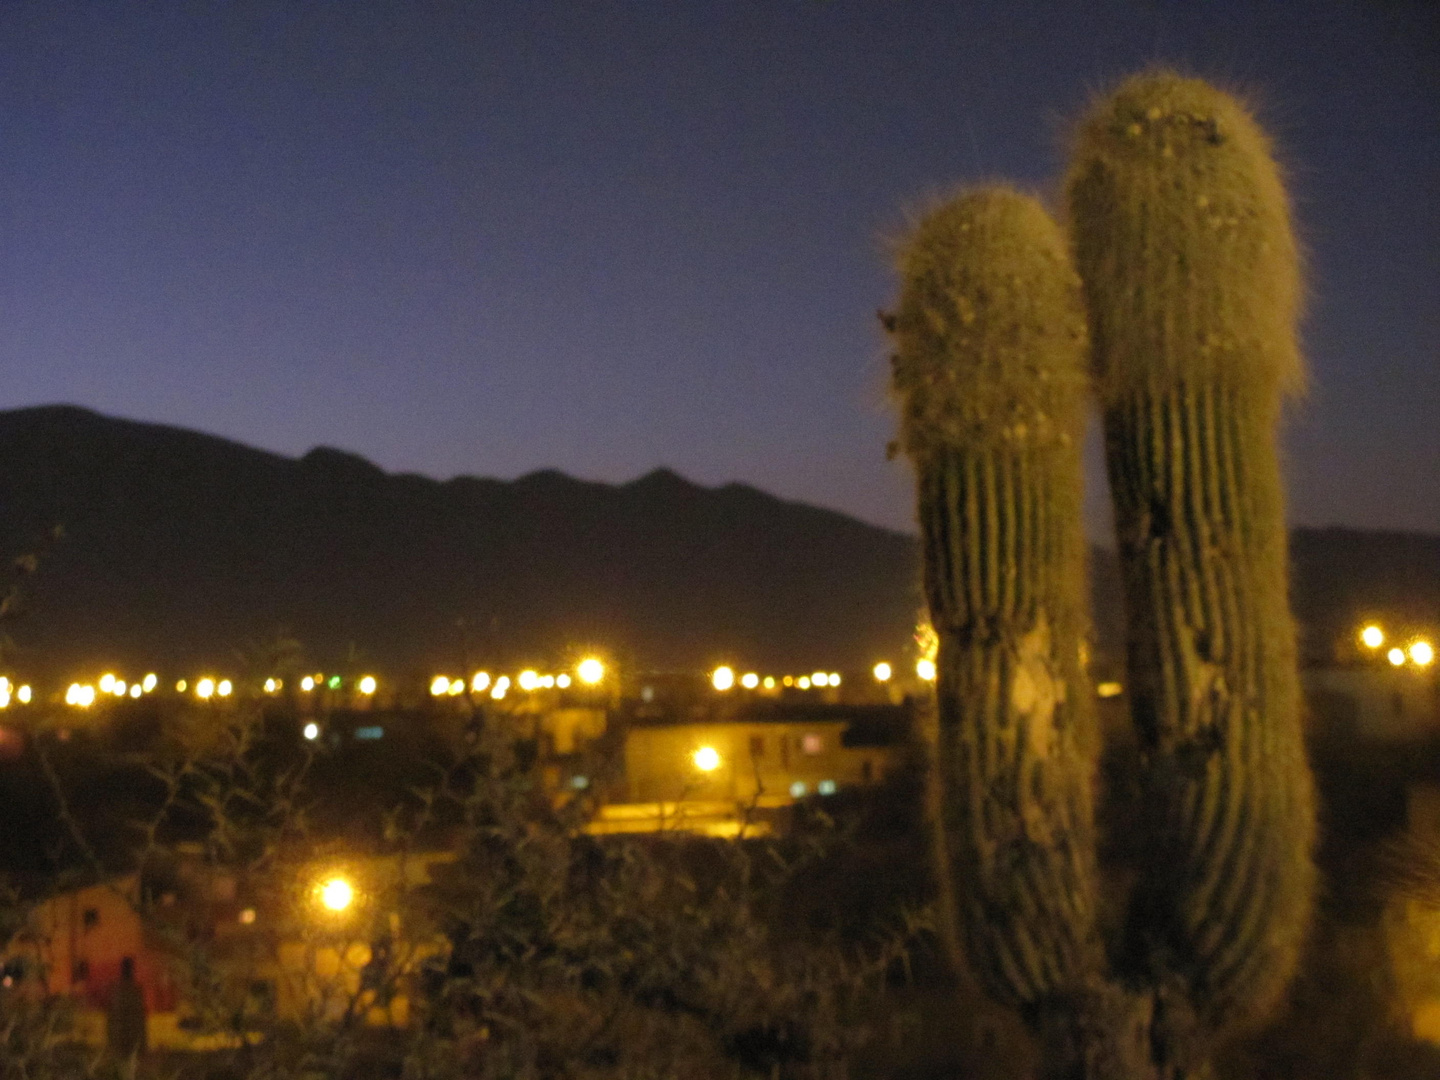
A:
(1396, 657)
(1372, 637)
(205, 689)
(925, 669)
(706, 759)
(312, 731)
(439, 686)
(148, 683)
(1422, 653)
(223, 687)
(528, 680)
(590, 670)
(750, 680)
(882, 672)
(337, 894)
(722, 678)
(480, 682)
(367, 685)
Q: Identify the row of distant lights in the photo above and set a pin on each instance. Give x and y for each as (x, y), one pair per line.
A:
(1420, 652)
(590, 672)
(8, 691)
(723, 678)
(83, 695)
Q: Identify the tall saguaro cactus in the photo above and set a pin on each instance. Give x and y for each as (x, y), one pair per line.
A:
(1180, 232)
(1182, 235)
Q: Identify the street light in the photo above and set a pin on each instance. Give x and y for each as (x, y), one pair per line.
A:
(722, 678)
(337, 894)
(925, 669)
(1422, 653)
(1372, 637)
(706, 759)
(590, 670)
(1396, 657)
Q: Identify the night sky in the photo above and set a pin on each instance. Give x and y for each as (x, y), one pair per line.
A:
(599, 236)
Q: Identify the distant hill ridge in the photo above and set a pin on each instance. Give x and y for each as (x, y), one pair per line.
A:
(181, 548)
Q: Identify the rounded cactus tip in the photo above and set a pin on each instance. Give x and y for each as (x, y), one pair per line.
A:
(1175, 203)
(989, 330)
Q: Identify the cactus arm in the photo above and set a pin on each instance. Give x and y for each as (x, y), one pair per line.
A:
(989, 370)
(1182, 236)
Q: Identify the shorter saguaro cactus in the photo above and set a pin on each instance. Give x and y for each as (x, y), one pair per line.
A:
(989, 365)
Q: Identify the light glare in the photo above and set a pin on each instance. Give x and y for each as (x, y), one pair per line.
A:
(706, 759)
(337, 894)
(1422, 653)
(1372, 636)
(882, 672)
(722, 678)
(590, 670)
(1396, 657)
(925, 669)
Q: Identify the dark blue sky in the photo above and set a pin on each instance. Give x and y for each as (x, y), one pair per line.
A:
(603, 236)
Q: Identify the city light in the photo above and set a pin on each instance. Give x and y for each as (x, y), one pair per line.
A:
(271, 686)
(1422, 653)
(501, 687)
(562, 680)
(722, 678)
(590, 670)
(148, 683)
(24, 693)
(181, 686)
(367, 685)
(457, 687)
(750, 680)
(834, 678)
(1372, 636)
(789, 680)
(439, 686)
(925, 669)
(80, 695)
(135, 690)
(107, 683)
(882, 671)
(337, 894)
(1109, 689)
(528, 680)
(819, 678)
(223, 687)
(706, 759)
(1396, 657)
(311, 731)
(4, 693)
(769, 682)
(803, 682)
(548, 682)
(118, 688)
(205, 689)
(307, 683)
(479, 683)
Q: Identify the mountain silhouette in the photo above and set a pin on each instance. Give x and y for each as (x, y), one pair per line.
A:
(182, 549)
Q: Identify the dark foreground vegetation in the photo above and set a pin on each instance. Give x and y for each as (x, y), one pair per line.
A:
(527, 948)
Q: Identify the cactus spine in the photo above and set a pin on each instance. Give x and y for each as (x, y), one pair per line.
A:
(989, 366)
(1182, 235)
(1180, 230)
